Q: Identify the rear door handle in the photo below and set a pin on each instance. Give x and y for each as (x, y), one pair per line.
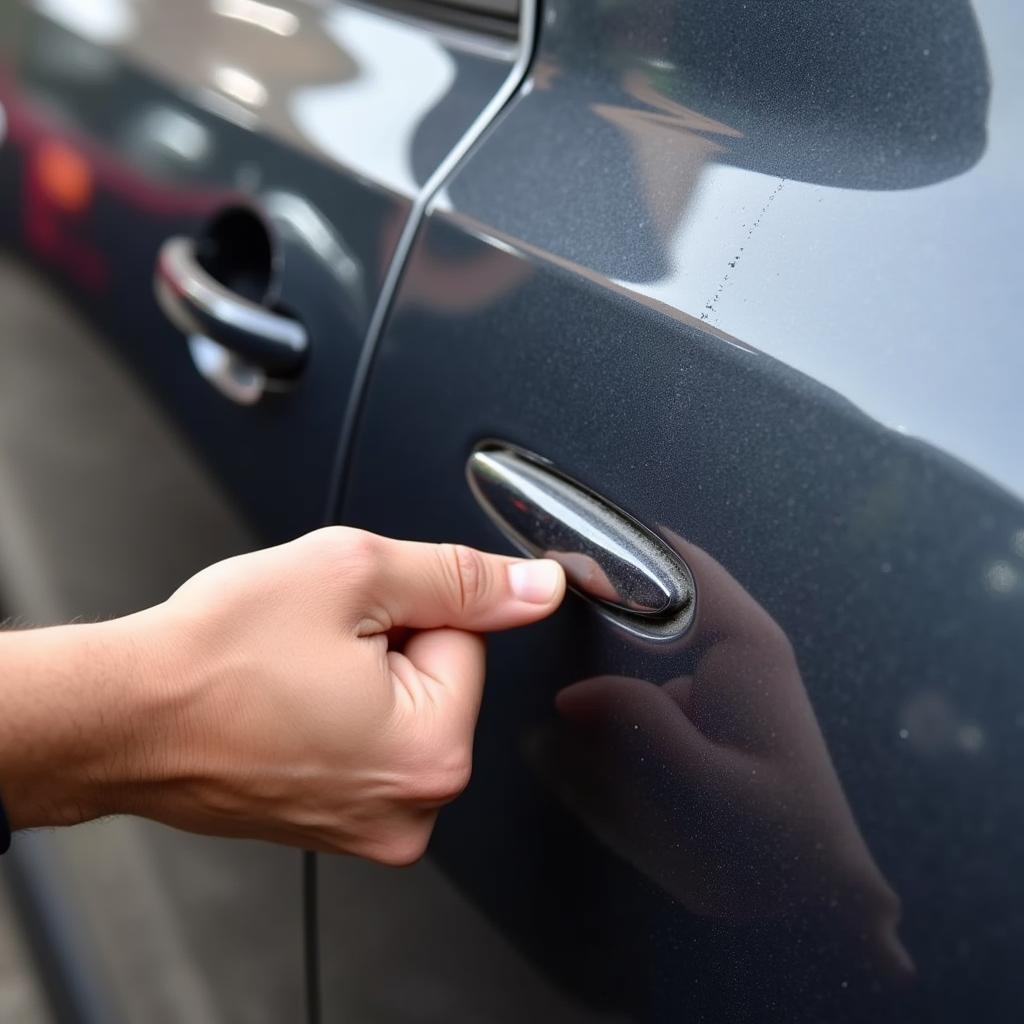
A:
(236, 343)
(607, 555)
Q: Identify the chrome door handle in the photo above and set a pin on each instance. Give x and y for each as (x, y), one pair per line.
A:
(239, 345)
(607, 555)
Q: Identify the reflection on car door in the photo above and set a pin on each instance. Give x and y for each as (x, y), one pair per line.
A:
(720, 265)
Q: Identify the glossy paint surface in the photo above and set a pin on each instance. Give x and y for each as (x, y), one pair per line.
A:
(750, 272)
(130, 122)
(124, 123)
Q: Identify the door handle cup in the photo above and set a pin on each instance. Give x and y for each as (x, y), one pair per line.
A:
(266, 342)
(607, 555)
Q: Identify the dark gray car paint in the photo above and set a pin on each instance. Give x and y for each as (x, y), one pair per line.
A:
(750, 273)
(329, 121)
(328, 124)
(747, 271)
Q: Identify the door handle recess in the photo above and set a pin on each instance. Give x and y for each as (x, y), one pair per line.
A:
(607, 555)
(239, 345)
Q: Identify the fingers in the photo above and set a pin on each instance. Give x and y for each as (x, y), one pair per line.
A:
(426, 586)
(439, 678)
(448, 658)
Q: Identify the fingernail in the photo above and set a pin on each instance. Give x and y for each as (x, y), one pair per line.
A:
(535, 582)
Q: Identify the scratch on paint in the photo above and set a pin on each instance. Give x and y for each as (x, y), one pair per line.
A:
(709, 308)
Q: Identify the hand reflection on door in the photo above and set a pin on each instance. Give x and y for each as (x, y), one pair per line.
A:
(718, 786)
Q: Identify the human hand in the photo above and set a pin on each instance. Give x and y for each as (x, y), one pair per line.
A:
(323, 693)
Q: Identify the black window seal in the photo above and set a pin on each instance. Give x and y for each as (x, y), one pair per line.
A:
(491, 17)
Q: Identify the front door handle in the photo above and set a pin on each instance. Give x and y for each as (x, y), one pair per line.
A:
(239, 345)
(607, 555)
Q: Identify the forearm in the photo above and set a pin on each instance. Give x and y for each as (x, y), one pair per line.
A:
(79, 709)
(269, 697)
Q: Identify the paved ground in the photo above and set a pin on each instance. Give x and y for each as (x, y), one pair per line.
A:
(103, 510)
(21, 997)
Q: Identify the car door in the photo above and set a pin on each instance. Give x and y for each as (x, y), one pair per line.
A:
(215, 195)
(738, 280)
(287, 144)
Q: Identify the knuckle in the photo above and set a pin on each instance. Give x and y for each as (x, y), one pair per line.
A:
(324, 543)
(457, 779)
(466, 573)
(356, 550)
(404, 848)
(358, 543)
(444, 783)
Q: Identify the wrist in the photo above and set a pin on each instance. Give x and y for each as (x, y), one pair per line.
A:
(85, 738)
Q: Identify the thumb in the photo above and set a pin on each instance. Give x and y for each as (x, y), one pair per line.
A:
(427, 586)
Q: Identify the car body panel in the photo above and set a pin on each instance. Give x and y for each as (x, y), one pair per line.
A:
(749, 274)
(123, 124)
(325, 120)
